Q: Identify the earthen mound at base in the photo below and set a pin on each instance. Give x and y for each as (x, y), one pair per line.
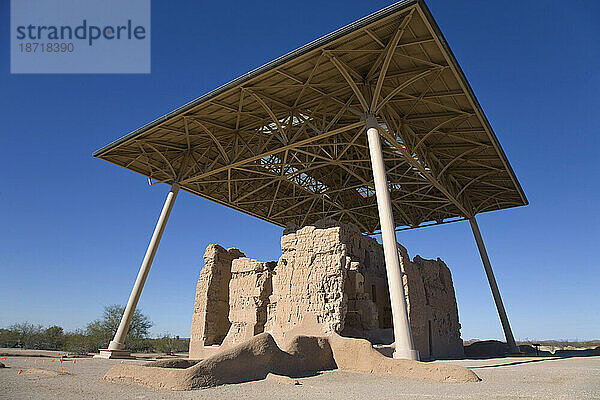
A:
(486, 348)
(255, 358)
(42, 373)
(359, 355)
(180, 363)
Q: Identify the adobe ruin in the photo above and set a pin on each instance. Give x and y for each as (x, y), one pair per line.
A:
(329, 279)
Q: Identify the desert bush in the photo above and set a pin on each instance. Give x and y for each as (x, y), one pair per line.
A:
(96, 335)
(29, 336)
(78, 342)
(53, 338)
(8, 338)
(166, 344)
(563, 344)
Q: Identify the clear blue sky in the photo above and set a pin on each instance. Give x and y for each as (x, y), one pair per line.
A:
(73, 229)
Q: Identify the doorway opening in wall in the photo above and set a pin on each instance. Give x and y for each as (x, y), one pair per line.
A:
(216, 329)
(374, 293)
(430, 344)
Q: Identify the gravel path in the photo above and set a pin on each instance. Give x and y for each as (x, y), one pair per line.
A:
(502, 378)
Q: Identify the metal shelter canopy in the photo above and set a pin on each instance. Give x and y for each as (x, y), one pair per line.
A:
(286, 142)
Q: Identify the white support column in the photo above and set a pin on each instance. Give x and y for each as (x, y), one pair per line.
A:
(116, 348)
(405, 347)
(510, 340)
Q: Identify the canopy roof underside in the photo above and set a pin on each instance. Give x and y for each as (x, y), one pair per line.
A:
(286, 142)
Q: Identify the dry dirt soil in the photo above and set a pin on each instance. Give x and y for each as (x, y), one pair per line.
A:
(502, 378)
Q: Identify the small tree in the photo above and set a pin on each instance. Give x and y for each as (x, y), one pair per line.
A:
(54, 338)
(28, 336)
(8, 338)
(101, 331)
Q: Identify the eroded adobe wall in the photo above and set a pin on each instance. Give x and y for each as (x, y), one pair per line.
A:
(210, 322)
(308, 286)
(441, 312)
(330, 278)
(249, 291)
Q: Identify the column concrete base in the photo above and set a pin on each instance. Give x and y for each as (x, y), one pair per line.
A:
(115, 354)
(406, 354)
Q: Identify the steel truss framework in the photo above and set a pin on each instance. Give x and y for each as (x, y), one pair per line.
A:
(286, 143)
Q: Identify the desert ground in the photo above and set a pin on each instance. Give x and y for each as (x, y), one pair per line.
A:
(501, 378)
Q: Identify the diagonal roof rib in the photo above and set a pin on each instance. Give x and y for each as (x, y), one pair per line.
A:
(286, 142)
